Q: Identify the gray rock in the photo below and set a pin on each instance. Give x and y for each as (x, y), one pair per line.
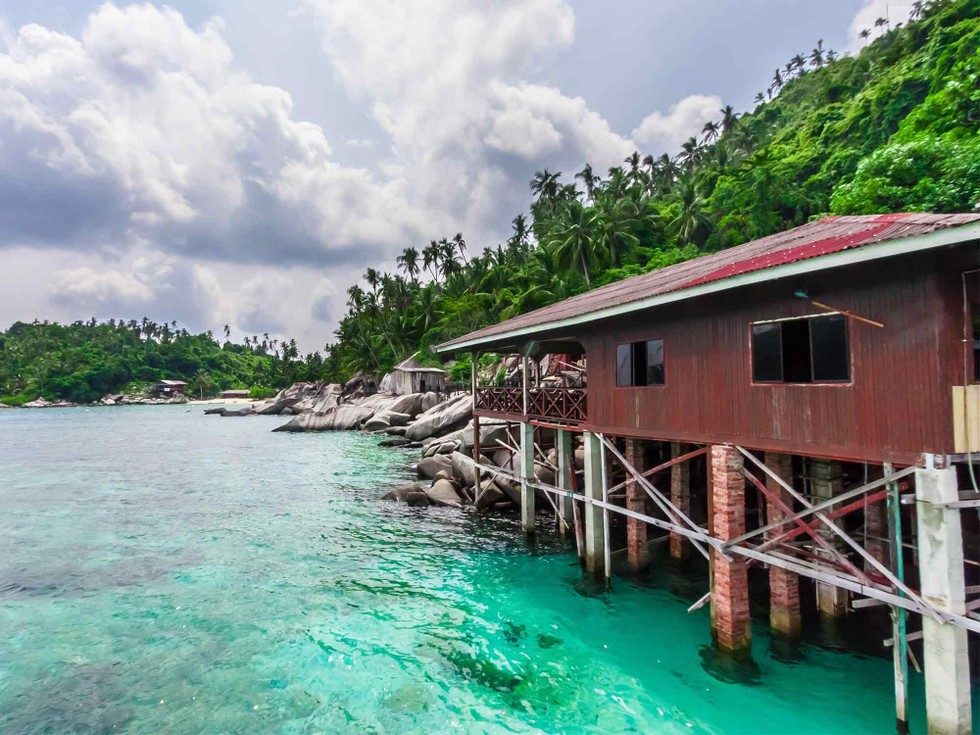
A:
(545, 474)
(396, 431)
(417, 500)
(214, 411)
(443, 418)
(444, 493)
(492, 494)
(376, 423)
(428, 401)
(445, 475)
(238, 412)
(401, 492)
(398, 441)
(464, 470)
(429, 466)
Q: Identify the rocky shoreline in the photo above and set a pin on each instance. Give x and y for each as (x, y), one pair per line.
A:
(440, 426)
(111, 400)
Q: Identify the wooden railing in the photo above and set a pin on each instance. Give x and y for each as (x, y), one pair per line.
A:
(557, 404)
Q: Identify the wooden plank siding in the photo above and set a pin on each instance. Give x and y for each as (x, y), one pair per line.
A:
(896, 406)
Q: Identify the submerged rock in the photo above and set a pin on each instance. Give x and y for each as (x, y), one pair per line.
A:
(443, 492)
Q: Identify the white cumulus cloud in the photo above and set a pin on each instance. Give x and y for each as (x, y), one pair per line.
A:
(143, 129)
(664, 133)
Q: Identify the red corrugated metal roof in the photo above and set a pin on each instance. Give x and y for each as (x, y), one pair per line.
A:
(812, 240)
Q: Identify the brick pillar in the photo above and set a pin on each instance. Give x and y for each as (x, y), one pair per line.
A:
(680, 495)
(784, 586)
(730, 622)
(827, 481)
(636, 500)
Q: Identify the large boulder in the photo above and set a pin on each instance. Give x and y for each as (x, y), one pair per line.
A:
(410, 404)
(444, 492)
(491, 433)
(491, 494)
(429, 466)
(417, 499)
(464, 470)
(442, 419)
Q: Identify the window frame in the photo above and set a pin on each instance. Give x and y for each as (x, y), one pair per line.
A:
(632, 344)
(826, 383)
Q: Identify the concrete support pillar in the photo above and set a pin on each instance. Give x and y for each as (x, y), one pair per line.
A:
(637, 551)
(527, 473)
(594, 541)
(826, 481)
(940, 539)
(566, 460)
(730, 621)
(680, 495)
(784, 586)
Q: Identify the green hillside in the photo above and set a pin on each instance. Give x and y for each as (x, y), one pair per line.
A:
(894, 128)
(84, 361)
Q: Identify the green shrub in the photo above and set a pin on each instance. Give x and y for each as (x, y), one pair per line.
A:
(257, 392)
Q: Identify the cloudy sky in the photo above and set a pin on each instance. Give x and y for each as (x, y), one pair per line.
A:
(242, 162)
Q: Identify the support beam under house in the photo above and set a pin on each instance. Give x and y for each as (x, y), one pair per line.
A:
(637, 551)
(527, 474)
(680, 496)
(826, 481)
(566, 466)
(730, 622)
(940, 539)
(784, 586)
(594, 541)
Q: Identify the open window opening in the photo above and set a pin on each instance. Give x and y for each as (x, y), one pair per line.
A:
(812, 349)
(640, 363)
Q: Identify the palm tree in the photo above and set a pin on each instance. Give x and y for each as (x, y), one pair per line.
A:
(728, 118)
(881, 23)
(760, 97)
(545, 185)
(408, 261)
(227, 331)
(431, 256)
(616, 225)
(589, 180)
(711, 131)
(817, 55)
(916, 12)
(460, 245)
(691, 222)
(572, 245)
(865, 34)
(798, 64)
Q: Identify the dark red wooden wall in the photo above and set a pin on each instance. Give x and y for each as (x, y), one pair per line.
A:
(897, 405)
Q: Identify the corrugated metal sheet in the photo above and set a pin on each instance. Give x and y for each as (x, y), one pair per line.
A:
(812, 240)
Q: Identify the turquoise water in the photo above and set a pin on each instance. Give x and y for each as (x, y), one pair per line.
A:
(162, 571)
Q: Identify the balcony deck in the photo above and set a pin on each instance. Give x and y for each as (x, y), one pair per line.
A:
(557, 405)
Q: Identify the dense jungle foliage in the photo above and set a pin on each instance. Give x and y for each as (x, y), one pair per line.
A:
(894, 128)
(84, 361)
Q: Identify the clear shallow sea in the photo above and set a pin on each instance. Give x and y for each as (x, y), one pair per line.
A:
(163, 571)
